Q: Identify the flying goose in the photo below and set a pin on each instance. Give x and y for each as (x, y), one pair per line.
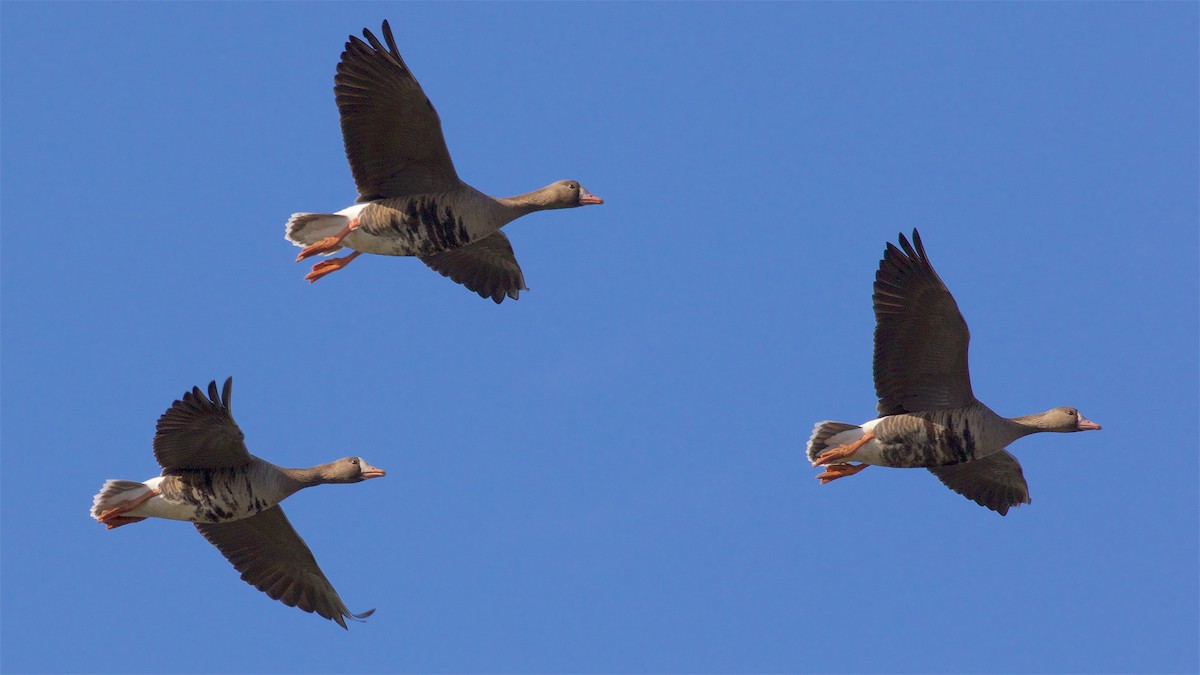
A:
(211, 479)
(928, 416)
(410, 199)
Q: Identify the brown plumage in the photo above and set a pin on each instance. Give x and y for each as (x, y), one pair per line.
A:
(411, 201)
(928, 415)
(232, 497)
(921, 338)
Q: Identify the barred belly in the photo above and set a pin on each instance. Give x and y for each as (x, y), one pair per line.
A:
(421, 225)
(932, 438)
(218, 495)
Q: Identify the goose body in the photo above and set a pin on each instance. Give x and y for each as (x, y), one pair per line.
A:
(210, 479)
(925, 439)
(115, 493)
(428, 224)
(201, 495)
(411, 201)
(929, 417)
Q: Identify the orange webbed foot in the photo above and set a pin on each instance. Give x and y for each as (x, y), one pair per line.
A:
(842, 451)
(836, 471)
(113, 518)
(117, 521)
(327, 244)
(330, 266)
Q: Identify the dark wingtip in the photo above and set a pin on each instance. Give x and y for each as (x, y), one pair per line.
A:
(890, 255)
(372, 44)
(227, 393)
(387, 36)
(918, 244)
(374, 41)
(358, 618)
(908, 248)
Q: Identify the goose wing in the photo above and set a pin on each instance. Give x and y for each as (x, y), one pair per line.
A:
(273, 558)
(198, 432)
(995, 481)
(487, 266)
(392, 132)
(921, 338)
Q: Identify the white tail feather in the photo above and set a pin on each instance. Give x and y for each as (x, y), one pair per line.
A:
(822, 433)
(303, 229)
(115, 492)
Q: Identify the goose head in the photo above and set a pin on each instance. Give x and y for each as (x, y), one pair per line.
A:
(1066, 420)
(349, 470)
(567, 194)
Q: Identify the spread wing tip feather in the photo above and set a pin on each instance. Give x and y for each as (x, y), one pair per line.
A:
(995, 482)
(198, 431)
(921, 338)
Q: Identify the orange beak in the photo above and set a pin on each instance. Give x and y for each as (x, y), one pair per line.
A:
(589, 198)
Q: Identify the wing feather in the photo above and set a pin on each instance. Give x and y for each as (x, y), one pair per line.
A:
(198, 432)
(273, 558)
(487, 266)
(995, 482)
(921, 338)
(392, 133)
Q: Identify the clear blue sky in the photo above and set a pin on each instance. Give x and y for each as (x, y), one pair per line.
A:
(608, 475)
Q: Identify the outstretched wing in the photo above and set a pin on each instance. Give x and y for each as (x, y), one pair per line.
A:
(995, 481)
(487, 267)
(393, 135)
(274, 559)
(199, 433)
(921, 338)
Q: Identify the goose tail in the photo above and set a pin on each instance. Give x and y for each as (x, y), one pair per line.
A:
(115, 492)
(819, 442)
(303, 229)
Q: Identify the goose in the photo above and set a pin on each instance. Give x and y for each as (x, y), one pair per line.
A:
(210, 479)
(928, 415)
(411, 201)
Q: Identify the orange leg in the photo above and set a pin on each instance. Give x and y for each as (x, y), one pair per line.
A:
(113, 515)
(328, 244)
(843, 451)
(836, 471)
(117, 521)
(330, 266)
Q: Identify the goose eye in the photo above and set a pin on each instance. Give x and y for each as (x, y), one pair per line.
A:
(354, 462)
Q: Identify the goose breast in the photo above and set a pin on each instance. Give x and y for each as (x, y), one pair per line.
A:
(939, 437)
(425, 224)
(218, 495)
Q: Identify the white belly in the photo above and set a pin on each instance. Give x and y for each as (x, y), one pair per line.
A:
(157, 507)
(868, 453)
(369, 243)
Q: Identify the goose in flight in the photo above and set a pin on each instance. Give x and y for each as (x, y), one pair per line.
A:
(928, 415)
(411, 201)
(210, 479)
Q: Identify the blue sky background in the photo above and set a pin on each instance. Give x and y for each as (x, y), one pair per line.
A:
(608, 475)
